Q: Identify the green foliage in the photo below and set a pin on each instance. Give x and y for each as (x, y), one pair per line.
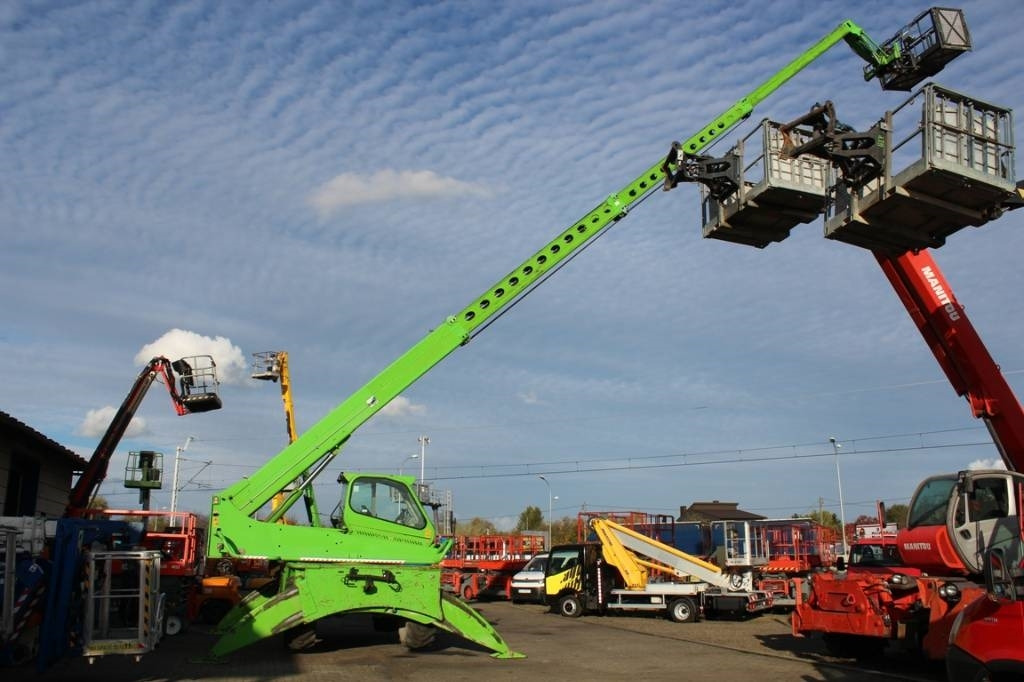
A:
(824, 517)
(563, 531)
(475, 526)
(531, 518)
(897, 514)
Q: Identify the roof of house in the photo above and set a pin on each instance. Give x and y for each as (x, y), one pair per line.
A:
(9, 424)
(716, 511)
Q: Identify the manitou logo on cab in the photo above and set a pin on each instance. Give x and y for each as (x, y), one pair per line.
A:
(921, 546)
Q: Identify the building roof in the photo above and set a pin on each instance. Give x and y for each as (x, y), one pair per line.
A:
(9, 424)
(716, 511)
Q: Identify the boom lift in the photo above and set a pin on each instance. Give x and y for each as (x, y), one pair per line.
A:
(388, 567)
(628, 571)
(273, 366)
(192, 384)
(195, 391)
(961, 527)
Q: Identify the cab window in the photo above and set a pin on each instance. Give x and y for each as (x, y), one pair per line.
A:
(385, 499)
(931, 503)
(562, 560)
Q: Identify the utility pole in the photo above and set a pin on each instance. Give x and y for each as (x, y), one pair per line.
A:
(424, 442)
(842, 508)
(174, 481)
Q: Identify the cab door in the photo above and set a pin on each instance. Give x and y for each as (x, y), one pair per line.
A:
(986, 515)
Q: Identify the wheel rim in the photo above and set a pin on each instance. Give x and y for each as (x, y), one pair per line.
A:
(173, 625)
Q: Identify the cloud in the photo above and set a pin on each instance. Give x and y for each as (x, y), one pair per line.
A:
(96, 423)
(530, 398)
(349, 189)
(402, 407)
(992, 463)
(179, 343)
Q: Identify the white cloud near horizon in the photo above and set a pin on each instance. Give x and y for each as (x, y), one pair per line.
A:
(990, 463)
(402, 407)
(97, 421)
(349, 189)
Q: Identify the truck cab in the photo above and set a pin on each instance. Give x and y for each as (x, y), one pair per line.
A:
(575, 577)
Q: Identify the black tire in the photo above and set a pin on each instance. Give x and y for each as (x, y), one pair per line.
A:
(213, 611)
(301, 638)
(387, 623)
(860, 647)
(467, 591)
(682, 610)
(570, 606)
(415, 635)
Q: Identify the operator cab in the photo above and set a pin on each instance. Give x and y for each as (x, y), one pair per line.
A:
(955, 518)
(377, 497)
(867, 553)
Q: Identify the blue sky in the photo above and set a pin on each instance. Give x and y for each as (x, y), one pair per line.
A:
(334, 179)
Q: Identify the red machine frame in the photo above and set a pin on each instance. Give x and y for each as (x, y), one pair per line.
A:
(483, 565)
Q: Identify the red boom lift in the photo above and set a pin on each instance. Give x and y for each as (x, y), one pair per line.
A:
(196, 391)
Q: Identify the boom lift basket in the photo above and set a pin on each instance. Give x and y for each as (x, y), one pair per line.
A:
(960, 156)
(123, 604)
(198, 383)
(775, 193)
(144, 470)
(929, 42)
(266, 366)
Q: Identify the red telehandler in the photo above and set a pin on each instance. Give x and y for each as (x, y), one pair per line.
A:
(957, 595)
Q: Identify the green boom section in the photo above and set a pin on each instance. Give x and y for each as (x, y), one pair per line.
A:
(313, 591)
(368, 565)
(331, 432)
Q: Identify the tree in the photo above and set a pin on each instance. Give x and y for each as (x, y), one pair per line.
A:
(475, 526)
(563, 531)
(823, 517)
(897, 514)
(531, 518)
(99, 502)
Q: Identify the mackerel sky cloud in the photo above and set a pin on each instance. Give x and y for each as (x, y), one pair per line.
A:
(336, 179)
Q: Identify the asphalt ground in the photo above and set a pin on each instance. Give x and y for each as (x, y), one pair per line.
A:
(622, 647)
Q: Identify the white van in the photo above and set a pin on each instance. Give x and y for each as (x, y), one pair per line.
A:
(528, 584)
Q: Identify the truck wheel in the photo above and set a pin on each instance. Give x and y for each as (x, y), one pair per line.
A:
(682, 610)
(570, 606)
(173, 625)
(415, 635)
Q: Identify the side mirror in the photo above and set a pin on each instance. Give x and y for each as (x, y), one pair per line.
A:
(841, 564)
(999, 576)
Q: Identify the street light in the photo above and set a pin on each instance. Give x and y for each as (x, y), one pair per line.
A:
(839, 480)
(548, 543)
(424, 441)
(414, 455)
